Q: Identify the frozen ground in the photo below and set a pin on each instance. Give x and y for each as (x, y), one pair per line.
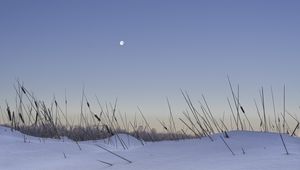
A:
(263, 151)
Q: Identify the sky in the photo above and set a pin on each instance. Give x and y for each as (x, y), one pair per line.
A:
(57, 46)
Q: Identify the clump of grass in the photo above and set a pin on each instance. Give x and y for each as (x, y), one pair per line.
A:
(33, 117)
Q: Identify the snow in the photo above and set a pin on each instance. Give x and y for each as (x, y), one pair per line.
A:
(263, 151)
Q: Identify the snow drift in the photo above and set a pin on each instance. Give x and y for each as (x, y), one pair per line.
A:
(253, 150)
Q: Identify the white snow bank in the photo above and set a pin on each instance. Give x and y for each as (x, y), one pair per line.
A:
(123, 141)
(263, 151)
(118, 142)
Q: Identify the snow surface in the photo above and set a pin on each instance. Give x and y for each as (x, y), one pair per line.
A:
(263, 151)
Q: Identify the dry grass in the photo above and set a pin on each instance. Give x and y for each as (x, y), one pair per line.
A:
(33, 117)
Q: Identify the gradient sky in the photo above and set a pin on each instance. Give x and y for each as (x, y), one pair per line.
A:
(56, 45)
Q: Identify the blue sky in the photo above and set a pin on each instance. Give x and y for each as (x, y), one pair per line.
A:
(56, 45)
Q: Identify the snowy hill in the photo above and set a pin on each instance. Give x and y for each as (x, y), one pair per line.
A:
(261, 151)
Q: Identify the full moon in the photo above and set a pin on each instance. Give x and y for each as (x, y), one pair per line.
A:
(122, 43)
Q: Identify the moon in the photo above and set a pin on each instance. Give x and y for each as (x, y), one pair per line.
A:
(122, 43)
